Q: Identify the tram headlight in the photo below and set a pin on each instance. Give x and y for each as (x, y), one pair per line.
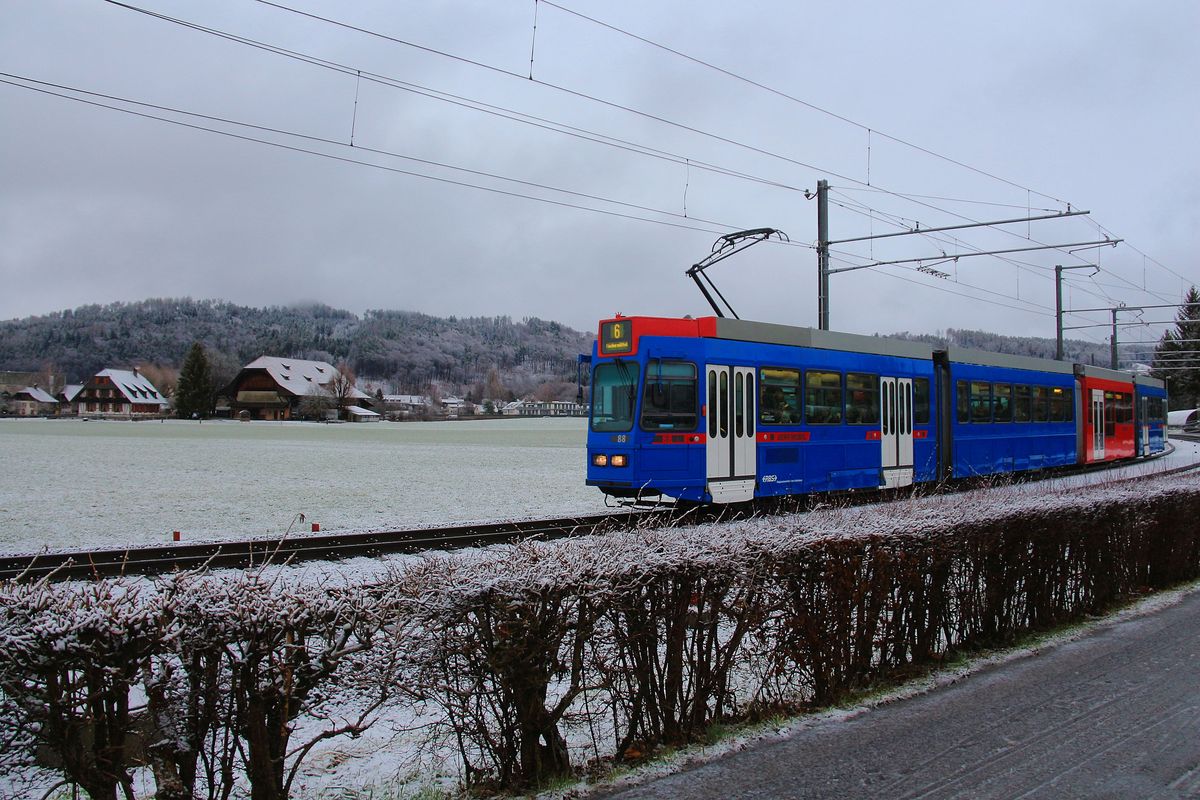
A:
(620, 460)
(600, 460)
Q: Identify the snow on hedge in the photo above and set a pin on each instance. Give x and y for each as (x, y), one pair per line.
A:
(519, 663)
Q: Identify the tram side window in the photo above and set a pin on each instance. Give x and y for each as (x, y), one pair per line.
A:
(712, 403)
(614, 396)
(669, 399)
(981, 401)
(823, 397)
(1120, 405)
(963, 394)
(1041, 404)
(921, 404)
(1002, 402)
(779, 396)
(1110, 414)
(1062, 404)
(862, 399)
(1022, 404)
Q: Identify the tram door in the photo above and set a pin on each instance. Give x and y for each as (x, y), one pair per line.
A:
(896, 430)
(1144, 422)
(1097, 424)
(731, 441)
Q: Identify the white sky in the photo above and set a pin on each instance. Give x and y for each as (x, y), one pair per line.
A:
(1091, 103)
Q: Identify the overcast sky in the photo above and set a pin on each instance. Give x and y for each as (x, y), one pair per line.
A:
(1025, 105)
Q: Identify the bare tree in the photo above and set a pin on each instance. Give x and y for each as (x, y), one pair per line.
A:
(314, 404)
(50, 377)
(494, 388)
(164, 377)
(342, 388)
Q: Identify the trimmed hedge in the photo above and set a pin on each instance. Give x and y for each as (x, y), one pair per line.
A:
(530, 660)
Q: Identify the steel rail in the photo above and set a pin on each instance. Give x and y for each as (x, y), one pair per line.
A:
(158, 559)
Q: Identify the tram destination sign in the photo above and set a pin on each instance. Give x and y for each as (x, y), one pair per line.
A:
(616, 337)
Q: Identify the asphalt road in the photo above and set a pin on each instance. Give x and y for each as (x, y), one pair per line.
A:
(1114, 714)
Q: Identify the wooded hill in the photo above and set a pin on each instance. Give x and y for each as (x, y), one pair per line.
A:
(1074, 350)
(404, 349)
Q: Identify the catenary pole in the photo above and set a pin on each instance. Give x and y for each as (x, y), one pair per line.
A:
(823, 255)
(1112, 348)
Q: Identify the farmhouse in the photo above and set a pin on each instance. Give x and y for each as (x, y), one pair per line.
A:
(31, 402)
(273, 388)
(120, 392)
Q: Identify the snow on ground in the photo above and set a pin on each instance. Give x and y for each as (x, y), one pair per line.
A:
(72, 484)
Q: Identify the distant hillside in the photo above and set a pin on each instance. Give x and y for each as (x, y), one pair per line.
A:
(405, 349)
(1074, 350)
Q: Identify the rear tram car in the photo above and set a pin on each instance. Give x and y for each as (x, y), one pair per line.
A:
(718, 410)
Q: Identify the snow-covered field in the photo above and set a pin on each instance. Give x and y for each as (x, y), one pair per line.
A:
(69, 483)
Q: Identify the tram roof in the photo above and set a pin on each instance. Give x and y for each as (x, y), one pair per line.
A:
(771, 333)
(960, 355)
(1104, 373)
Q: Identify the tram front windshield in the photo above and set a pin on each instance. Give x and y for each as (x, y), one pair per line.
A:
(614, 396)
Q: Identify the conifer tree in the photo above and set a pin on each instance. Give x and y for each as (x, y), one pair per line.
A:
(1176, 360)
(194, 392)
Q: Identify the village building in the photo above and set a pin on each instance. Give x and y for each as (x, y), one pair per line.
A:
(405, 406)
(47, 380)
(66, 398)
(273, 388)
(31, 401)
(360, 414)
(120, 392)
(454, 407)
(544, 408)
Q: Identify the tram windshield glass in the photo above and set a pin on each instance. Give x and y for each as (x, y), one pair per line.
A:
(669, 402)
(614, 396)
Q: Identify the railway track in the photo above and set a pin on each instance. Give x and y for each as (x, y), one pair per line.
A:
(242, 554)
(248, 553)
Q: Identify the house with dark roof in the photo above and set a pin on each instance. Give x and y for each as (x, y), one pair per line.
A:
(274, 388)
(120, 393)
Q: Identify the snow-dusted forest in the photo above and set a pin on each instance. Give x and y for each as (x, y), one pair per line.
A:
(405, 350)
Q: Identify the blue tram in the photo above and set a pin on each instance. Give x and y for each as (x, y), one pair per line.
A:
(718, 410)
